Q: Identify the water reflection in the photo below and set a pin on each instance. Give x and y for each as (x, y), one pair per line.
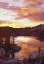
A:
(41, 39)
(28, 44)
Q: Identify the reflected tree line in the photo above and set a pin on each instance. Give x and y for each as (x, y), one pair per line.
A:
(13, 48)
(40, 39)
(7, 49)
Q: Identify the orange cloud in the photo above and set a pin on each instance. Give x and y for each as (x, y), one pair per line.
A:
(28, 14)
(33, 2)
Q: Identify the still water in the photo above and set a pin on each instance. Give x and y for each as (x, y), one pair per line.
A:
(28, 44)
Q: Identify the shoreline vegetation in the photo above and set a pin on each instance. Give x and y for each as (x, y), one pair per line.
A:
(37, 31)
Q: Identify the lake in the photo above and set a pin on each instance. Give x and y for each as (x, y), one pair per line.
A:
(28, 44)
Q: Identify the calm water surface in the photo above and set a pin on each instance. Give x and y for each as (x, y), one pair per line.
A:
(28, 44)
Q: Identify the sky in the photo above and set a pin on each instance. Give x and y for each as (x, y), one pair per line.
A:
(21, 13)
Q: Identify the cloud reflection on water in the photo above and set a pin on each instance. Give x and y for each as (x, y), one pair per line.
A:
(28, 44)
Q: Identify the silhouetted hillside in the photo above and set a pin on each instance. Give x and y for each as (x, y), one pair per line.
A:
(35, 31)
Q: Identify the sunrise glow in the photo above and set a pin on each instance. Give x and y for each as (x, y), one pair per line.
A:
(21, 13)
